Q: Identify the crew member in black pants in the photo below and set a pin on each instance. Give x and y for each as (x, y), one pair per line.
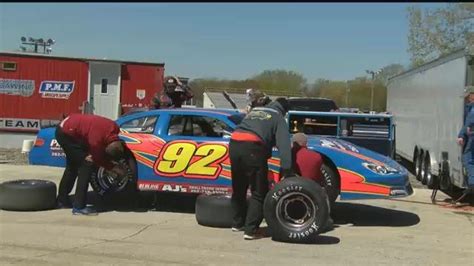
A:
(87, 140)
(250, 147)
(76, 166)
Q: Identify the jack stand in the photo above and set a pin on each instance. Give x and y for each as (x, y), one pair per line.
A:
(464, 194)
(433, 196)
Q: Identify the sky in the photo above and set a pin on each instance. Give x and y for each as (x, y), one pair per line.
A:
(336, 41)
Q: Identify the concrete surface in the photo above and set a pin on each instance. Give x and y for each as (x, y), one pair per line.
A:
(14, 140)
(408, 231)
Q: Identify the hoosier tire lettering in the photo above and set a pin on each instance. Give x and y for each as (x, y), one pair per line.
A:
(276, 195)
(296, 210)
(313, 229)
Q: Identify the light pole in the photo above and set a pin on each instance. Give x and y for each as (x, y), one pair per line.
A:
(37, 42)
(348, 90)
(373, 73)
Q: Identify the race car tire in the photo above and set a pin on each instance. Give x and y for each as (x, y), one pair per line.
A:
(296, 210)
(214, 210)
(27, 195)
(104, 184)
(330, 182)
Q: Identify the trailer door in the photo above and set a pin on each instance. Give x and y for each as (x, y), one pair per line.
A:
(104, 86)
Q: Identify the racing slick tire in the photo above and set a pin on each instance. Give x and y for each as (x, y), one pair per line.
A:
(27, 195)
(330, 182)
(296, 210)
(105, 183)
(214, 210)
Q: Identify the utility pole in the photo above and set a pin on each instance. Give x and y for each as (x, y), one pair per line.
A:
(373, 73)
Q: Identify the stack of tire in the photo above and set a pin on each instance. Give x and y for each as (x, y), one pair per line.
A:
(27, 195)
(296, 210)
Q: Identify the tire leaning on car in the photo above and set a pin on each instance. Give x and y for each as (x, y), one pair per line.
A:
(296, 210)
(27, 195)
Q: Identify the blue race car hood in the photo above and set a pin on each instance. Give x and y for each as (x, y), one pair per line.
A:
(334, 148)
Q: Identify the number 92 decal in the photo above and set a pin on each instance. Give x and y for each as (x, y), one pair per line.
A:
(192, 160)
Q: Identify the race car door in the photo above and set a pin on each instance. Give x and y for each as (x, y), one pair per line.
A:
(195, 158)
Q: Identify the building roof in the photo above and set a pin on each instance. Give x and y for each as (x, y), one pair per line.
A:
(465, 51)
(25, 54)
(219, 101)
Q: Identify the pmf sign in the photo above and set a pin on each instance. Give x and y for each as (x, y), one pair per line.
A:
(56, 89)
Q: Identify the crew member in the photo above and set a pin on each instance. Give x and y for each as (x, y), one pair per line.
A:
(250, 147)
(255, 98)
(307, 163)
(86, 140)
(174, 94)
(466, 139)
(160, 101)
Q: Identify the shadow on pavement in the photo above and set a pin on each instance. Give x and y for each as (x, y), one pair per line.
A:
(146, 201)
(321, 240)
(342, 213)
(366, 215)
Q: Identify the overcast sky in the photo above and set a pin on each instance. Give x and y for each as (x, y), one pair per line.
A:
(229, 40)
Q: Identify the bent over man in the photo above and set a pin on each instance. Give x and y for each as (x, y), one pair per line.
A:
(86, 140)
(250, 147)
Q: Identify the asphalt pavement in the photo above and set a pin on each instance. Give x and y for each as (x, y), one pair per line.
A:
(406, 231)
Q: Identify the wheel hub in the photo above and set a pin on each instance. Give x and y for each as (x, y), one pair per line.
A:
(296, 210)
(111, 182)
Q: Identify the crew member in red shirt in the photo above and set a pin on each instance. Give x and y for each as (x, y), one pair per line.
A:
(86, 140)
(307, 162)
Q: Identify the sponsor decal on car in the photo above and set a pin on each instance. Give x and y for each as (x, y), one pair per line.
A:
(192, 160)
(56, 150)
(189, 188)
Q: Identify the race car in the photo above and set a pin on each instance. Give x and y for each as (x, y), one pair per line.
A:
(186, 150)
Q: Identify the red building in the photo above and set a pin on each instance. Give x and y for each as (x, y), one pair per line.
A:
(36, 87)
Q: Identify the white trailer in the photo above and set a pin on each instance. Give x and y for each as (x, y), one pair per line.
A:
(428, 107)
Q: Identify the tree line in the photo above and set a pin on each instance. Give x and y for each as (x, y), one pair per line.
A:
(352, 93)
(432, 33)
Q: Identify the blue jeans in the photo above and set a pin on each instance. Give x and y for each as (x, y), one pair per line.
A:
(468, 162)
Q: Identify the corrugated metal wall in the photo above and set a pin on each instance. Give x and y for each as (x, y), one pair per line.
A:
(32, 105)
(21, 99)
(147, 78)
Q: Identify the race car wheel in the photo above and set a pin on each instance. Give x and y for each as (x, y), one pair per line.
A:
(104, 182)
(330, 182)
(27, 195)
(296, 210)
(214, 210)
